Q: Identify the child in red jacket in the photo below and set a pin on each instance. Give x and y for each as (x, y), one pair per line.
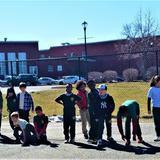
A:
(83, 106)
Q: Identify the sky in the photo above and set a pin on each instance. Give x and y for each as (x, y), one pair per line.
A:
(52, 22)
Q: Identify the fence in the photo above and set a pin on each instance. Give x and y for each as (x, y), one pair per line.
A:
(130, 67)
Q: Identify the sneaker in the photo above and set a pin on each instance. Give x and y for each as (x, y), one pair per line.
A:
(140, 141)
(110, 139)
(25, 145)
(157, 139)
(134, 138)
(99, 143)
(86, 136)
(72, 141)
(128, 143)
(66, 141)
(90, 140)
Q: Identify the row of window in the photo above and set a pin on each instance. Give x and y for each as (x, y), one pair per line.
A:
(51, 69)
(11, 56)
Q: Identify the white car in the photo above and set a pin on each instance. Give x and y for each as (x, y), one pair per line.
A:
(47, 81)
(69, 79)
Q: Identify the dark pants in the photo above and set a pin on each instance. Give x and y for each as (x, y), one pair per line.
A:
(29, 133)
(69, 127)
(128, 129)
(43, 139)
(0, 120)
(10, 121)
(109, 125)
(93, 128)
(100, 125)
(156, 116)
(24, 114)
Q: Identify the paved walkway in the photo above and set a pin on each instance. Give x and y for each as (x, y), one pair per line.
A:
(82, 149)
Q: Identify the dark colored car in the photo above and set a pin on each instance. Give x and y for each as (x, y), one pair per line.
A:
(29, 79)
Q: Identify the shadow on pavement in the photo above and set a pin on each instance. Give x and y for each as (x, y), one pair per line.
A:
(87, 146)
(139, 150)
(6, 140)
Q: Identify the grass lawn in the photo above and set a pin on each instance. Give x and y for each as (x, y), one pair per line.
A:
(119, 91)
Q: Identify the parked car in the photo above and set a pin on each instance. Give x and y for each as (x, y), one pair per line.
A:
(29, 79)
(69, 79)
(47, 81)
(9, 80)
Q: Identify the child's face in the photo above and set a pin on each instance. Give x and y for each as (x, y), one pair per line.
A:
(39, 112)
(83, 88)
(14, 120)
(23, 89)
(158, 84)
(69, 89)
(102, 92)
(10, 94)
(91, 86)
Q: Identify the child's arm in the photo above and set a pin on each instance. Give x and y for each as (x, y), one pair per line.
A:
(43, 130)
(120, 127)
(1, 102)
(24, 136)
(59, 100)
(149, 105)
(112, 104)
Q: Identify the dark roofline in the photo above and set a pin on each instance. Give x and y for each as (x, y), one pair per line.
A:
(19, 42)
(90, 43)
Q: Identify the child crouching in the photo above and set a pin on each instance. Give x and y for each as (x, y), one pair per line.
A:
(28, 131)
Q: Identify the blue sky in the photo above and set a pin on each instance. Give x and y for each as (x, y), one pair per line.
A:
(53, 22)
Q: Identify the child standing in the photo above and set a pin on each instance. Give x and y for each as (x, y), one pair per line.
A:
(11, 104)
(83, 106)
(24, 102)
(68, 100)
(130, 110)
(1, 107)
(107, 102)
(40, 124)
(27, 129)
(154, 96)
(94, 101)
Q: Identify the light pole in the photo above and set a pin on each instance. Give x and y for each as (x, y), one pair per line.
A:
(84, 24)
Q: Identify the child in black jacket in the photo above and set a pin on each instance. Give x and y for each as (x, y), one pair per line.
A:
(107, 106)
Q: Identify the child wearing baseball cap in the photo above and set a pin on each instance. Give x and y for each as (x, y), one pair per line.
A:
(106, 108)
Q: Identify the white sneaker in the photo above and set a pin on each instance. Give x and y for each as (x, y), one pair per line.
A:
(157, 139)
(99, 142)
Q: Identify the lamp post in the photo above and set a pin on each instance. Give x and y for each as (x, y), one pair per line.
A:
(84, 24)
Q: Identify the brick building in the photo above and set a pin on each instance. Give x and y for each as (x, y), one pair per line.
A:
(18, 51)
(63, 60)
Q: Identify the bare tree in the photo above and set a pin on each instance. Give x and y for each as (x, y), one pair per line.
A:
(141, 36)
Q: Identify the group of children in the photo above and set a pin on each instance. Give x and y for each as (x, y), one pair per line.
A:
(96, 108)
(19, 107)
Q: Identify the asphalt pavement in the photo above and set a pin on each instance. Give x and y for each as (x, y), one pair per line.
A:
(81, 149)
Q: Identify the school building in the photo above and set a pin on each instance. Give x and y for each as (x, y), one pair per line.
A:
(62, 60)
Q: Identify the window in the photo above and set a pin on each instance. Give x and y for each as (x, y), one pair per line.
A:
(50, 68)
(22, 63)
(2, 64)
(59, 68)
(12, 57)
(33, 70)
(42, 56)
